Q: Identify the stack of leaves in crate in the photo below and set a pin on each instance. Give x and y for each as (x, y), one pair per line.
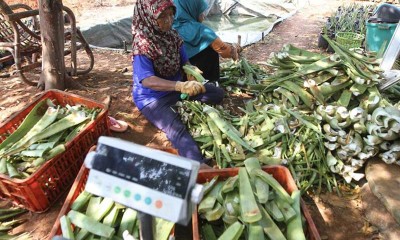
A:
(42, 135)
(92, 216)
(251, 204)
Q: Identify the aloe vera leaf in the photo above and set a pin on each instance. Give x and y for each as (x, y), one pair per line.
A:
(111, 218)
(38, 161)
(127, 222)
(12, 172)
(84, 222)
(225, 153)
(62, 124)
(208, 202)
(6, 226)
(217, 155)
(274, 211)
(203, 139)
(261, 189)
(229, 219)
(48, 118)
(162, 229)
(34, 153)
(191, 70)
(55, 151)
(249, 210)
(66, 228)
(304, 121)
(208, 232)
(306, 97)
(226, 127)
(11, 214)
(232, 203)
(274, 184)
(286, 209)
(317, 66)
(3, 165)
(327, 90)
(233, 232)
(269, 226)
(251, 164)
(75, 131)
(358, 89)
(289, 95)
(93, 206)
(323, 78)
(350, 61)
(49, 155)
(56, 137)
(230, 184)
(96, 210)
(255, 232)
(294, 226)
(299, 52)
(81, 201)
(340, 79)
(215, 213)
(30, 120)
(46, 145)
(345, 98)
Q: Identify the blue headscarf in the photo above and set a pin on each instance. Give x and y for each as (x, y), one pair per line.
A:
(196, 36)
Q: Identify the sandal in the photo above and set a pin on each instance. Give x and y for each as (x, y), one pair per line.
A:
(117, 125)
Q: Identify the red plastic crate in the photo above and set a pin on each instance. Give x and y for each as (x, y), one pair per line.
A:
(41, 189)
(280, 173)
(76, 189)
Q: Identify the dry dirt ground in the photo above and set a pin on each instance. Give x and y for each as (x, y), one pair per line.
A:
(335, 217)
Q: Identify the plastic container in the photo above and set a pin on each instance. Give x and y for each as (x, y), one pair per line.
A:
(349, 39)
(76, 189)
(378, 35)
(385, 13)
(41, 189)
(280, 173)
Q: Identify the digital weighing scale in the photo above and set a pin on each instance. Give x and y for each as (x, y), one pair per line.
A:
(392, 76)
(151, 181)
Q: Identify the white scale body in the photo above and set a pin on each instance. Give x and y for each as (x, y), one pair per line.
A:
(148, 180)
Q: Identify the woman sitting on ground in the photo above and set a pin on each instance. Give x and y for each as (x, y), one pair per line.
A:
(158, 79)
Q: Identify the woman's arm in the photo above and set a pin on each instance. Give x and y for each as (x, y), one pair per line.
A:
(226, 50)
(159, 84)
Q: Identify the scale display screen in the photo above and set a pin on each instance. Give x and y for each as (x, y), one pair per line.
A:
(159, 176)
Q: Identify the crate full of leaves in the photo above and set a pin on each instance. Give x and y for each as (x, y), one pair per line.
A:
(86, 216)
(251, 202)
(43, 146)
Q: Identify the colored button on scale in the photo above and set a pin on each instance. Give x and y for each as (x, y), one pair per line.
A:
(137, 197)
(147, 201)
(117, 189)
(158, 204)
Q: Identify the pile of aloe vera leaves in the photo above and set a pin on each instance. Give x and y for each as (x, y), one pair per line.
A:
(9, 219)
(42, 135)
(94, 217)
(321, 115)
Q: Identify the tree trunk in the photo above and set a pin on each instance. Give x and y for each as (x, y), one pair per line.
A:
(53, 74)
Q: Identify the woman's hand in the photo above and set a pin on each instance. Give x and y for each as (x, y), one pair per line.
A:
(191, 88)
(235, 50)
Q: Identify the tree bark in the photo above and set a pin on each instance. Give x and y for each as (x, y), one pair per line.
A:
(53, 74)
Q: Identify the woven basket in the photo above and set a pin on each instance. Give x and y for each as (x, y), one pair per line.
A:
(349, 39)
